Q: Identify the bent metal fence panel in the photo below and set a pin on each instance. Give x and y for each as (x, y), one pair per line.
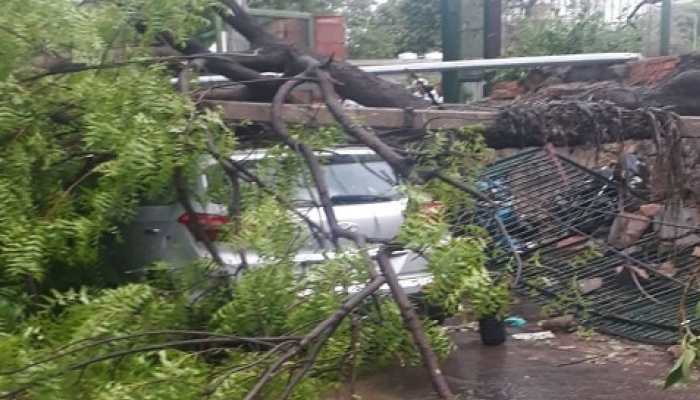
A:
(558, 216)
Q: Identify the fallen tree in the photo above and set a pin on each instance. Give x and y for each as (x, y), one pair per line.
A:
(101, 146)
(270, 54)
(109, 134)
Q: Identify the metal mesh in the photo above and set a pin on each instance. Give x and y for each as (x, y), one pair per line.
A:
(545, 203)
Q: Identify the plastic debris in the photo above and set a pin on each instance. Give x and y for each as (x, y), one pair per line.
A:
(544, 335)
(515, 321)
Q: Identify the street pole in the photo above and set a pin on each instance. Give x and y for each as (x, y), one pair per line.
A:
(665, 36)
(695, 32)
(451, 18)
(492, 28)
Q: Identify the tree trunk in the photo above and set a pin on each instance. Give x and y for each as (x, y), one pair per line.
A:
(352, 83)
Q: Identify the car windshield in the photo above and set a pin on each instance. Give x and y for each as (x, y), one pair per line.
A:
(352, 179)
(354, 182)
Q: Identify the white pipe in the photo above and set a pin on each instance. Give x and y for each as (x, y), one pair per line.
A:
(481, 64)
(497, 63)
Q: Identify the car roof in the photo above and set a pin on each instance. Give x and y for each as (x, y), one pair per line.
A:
(258, 154)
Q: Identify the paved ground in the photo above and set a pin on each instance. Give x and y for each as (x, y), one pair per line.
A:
(570, 367)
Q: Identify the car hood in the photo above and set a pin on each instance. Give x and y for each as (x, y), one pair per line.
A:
(380, 220)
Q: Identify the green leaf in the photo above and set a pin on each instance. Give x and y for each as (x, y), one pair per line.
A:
(681, 369)
(675, 375)
(688, 358)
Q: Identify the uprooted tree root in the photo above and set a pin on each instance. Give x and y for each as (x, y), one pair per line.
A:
(574, 123)
(582, 123)
(520, 125)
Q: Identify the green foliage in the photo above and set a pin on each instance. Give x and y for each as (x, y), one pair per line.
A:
(580, 31)
(681, 370)
(314, 6)
(80, 151)
(260, 304)
(689, 346)
(459, 273)
(459, 154)
(385, 341)
(583, 33)
(457, 259)
(392, 27)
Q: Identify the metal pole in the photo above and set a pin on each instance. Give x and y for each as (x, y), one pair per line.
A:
(219, 27)
(451, 47)
(695, 32)
(492, 28)
(665, 37)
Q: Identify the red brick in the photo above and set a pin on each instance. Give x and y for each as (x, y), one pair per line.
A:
(506, 90)
(650, 71)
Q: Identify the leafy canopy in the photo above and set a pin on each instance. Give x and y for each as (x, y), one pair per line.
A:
(81, 150)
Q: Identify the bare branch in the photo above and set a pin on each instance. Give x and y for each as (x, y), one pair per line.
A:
(115, 355)
(97, 341)
(315, 168)
(635, 10)
(357, 131)
(329, 323)
(184, 199)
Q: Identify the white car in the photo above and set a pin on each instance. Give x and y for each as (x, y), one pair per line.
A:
(365, 198)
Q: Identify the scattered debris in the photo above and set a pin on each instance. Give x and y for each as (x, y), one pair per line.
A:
(581, 360)
(467, 327)
(687, 241)
(515, 322)
(590, 285)
(573, 242)
(565, 323)
(628, 286)
(667, 269)
(631, 250)
(627, 229)
(676, 222)
(650, 210)
(651, 70)
(544, 335)
(506, 90)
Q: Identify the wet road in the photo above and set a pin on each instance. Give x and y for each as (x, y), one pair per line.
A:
(566, 368)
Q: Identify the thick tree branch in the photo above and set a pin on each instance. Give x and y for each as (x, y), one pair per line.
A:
(357, 131)
(355, 84)
(413, 324)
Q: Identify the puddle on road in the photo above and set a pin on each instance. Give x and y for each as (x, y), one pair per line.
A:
(542, 370)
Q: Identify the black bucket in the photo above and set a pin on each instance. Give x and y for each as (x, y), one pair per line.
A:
(492, 331)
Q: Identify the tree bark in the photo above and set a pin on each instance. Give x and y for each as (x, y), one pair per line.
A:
(353, 83)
